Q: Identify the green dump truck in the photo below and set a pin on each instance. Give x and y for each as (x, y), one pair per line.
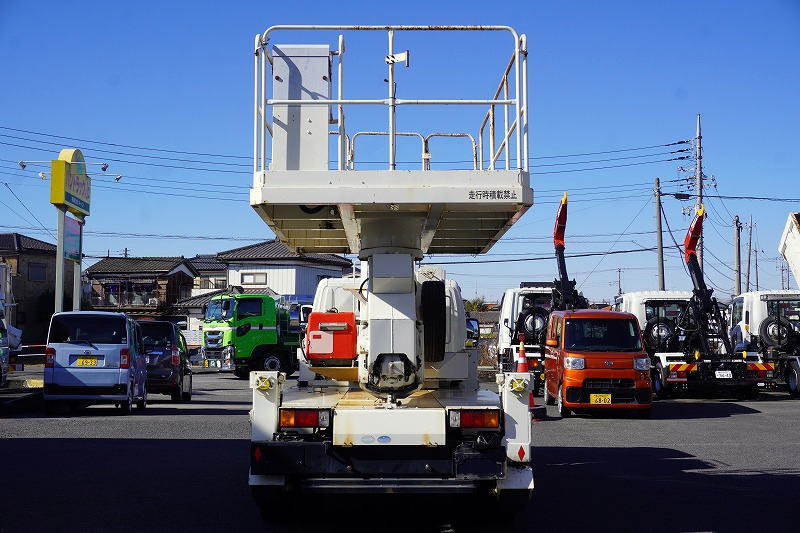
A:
(253, 332)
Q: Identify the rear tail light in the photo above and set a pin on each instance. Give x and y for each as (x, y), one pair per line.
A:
(49, 357)
(762, 373)
(474, 418)
(533, 364)
(681, 374)
(176, 356)
(124, 358)
(305, 418)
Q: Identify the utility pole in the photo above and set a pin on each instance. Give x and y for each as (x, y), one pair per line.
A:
(749, 252)
(659, 242)
(698, 177)
(125, 252)
(737, 252)
(619, 281)
(756, 251)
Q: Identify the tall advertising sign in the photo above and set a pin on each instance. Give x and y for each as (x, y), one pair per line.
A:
(70, 190)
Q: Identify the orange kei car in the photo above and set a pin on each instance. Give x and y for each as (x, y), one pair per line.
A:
(595, 360)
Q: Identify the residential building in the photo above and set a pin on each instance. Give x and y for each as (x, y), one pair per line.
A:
(271, 265)
(31, 300)
(212, 274)
(143, 286)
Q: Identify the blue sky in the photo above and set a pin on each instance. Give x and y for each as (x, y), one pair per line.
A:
(603, 76)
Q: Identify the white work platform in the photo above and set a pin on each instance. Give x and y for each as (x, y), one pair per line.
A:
(460, 211)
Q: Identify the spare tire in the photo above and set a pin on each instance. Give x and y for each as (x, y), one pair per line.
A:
(658, 331)
(533, 323)
(434, 320)
(776, 331)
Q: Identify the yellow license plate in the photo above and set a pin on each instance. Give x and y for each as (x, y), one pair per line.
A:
(600, 398)
(87, 361)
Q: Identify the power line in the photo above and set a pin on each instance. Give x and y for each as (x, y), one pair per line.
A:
(99, 233)
(611, 166)
(139, 162)
(613, 151)
(610, 159)
(615, 242)
(587, 254)
(28, 210)
(125, 145)
(134, 155)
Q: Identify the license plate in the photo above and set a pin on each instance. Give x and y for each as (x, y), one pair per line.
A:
(724, 374)
(87, 361)
(602, 399)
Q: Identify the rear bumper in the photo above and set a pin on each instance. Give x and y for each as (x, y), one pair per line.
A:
(321, 459)
(111, 393)
(703, 376)
(158, 382)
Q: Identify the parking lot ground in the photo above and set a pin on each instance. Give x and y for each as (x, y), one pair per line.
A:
(697, 465)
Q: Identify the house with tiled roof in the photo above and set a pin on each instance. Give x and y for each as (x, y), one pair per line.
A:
(31, 298)
(270, 264)
(212, 274)
(142, 286)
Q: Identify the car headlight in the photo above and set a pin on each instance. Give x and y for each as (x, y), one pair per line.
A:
(227, 352)
(641, 363)
(575, 363)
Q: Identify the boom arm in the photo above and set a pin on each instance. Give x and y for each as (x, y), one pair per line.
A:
(702, 306)
(565, 295)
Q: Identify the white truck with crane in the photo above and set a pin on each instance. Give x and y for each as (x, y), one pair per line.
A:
(767, 322)
(394, 403)
(703, 356)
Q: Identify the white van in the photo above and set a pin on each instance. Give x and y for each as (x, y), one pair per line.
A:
(95, 357)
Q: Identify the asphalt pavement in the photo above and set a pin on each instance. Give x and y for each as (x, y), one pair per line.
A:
(697, 465)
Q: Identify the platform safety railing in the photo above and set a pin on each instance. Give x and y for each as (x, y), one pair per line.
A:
(518, 101)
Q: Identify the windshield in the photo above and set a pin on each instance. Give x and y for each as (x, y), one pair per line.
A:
(602, 335)
(664, 308)
(221, 309)
(88, 329)
(157, 333)
(787, 308)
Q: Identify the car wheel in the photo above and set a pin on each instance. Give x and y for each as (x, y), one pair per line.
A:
(177, 394)
(141, 405)
(274, 363)
(793, 379)
(548, 400)
(660, 387)
(187, 395)
(127, 405)
(563, 411)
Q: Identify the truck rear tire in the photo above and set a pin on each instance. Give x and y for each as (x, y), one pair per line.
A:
(434, 319)
(793, 379)
(275, 503)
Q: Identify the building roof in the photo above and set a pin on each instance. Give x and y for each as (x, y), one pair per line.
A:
(17, 242)
(202, 299)
(275, 250)
(139, 265)
(486, 317)
(207, 263)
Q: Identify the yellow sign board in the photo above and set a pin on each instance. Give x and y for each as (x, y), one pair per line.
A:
(70, 186)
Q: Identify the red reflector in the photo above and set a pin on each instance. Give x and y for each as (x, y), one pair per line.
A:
(480, 418)
(176, 357)
(762, 373)
(124, 358)
(257, 454)
(299, 418)
(49, 357)
(681, 374)
(521, 453)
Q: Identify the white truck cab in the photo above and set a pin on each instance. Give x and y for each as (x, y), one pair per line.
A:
(657, 312)
(524, 310)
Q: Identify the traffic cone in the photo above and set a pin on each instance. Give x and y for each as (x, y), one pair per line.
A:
(522, 359)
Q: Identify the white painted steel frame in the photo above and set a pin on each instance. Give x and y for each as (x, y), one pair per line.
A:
(520, 101)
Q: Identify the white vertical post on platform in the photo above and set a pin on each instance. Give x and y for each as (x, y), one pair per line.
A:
(392, 105)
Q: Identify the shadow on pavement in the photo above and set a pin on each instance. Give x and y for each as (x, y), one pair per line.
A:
(201, 485)
(655, 489)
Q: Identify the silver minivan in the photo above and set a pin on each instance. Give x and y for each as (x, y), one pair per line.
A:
(95, 357)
